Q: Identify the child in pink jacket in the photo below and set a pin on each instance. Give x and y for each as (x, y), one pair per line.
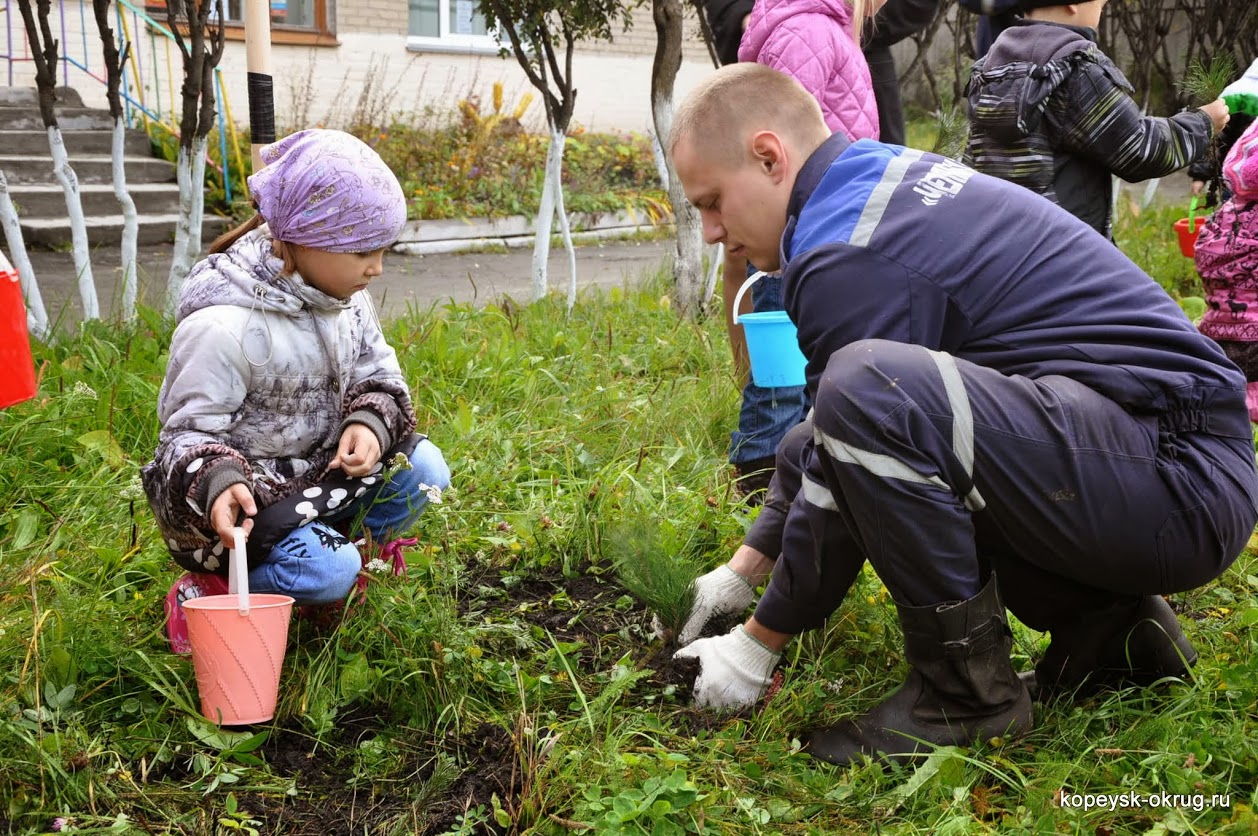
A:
(1227, 259)
(816, 42)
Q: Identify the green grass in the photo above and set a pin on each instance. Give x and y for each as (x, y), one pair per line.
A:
(571, 439)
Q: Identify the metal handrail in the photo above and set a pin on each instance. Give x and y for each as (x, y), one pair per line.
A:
(135, 82)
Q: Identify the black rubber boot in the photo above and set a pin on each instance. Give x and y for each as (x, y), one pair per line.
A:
(961, 687)
(1132, 642)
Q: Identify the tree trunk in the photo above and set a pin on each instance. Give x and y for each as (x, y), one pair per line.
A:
(557, 136)
(114, 60)
(44, 55)
(688, 266)
(78, 224)
(192, 243)
(181, 264)
(36, 315)
(130, 221)
(201, 51)
(546, 214)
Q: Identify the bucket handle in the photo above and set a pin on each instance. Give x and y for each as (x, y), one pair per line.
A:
(238, 570)
(738, 297)
(1192, 215)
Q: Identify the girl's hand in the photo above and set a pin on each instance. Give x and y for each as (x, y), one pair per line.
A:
(358, 451)
(226, 510)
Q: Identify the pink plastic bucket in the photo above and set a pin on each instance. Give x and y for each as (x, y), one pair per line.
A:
(238, 645)
(238, 657)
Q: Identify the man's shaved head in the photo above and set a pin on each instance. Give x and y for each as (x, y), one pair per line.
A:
(740, 99)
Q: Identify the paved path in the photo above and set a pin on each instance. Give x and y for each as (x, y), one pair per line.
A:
(409, 280)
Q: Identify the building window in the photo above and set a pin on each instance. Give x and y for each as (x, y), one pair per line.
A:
(449, 26)
(292, 21)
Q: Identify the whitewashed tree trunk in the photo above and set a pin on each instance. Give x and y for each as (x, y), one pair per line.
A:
(661, 164)
(130, 221)
(181, 263)
(545, 216)
(561, 138)
(688, 269)
(717, 259)
(199, 146)
(36, 315)
(78, 224)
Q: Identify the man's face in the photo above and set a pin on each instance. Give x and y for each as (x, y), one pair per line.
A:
(742, 203)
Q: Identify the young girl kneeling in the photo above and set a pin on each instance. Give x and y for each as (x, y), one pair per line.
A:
(283, 404)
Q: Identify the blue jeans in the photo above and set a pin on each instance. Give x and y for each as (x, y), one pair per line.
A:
(316, 564)
(766, 414)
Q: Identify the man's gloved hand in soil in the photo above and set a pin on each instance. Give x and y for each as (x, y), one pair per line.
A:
(735, 669)
(721, 592)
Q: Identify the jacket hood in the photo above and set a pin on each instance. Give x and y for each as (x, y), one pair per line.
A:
(248, 275)
(1240, 168)
(1025, 66)
(773, 12)
(1038, 42)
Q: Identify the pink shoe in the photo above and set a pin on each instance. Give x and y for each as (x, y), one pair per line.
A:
(390, 554)
(190, 585)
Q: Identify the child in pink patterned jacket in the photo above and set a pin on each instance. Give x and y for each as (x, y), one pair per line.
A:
(1227, 259)
(817, 42)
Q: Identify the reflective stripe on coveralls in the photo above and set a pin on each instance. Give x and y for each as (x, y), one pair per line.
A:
(887, 467)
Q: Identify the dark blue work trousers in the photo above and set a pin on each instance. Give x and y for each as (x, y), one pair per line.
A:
(939, 471)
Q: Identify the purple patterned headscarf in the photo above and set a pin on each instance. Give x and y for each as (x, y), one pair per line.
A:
(328, 191)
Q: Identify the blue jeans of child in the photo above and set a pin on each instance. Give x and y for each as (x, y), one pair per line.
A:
(766, 414)
(316, 564)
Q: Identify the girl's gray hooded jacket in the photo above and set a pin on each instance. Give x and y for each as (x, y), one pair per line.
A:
(264, 374)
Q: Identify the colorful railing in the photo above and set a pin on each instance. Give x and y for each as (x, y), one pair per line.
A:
(151, 78)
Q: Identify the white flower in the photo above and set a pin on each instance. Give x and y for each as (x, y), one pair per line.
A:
(377, 565)
(400, 462)
(133, 491)
(434, 493)
(82, 390)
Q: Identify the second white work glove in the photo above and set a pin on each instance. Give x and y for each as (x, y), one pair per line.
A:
(720, 592)
(735, 669)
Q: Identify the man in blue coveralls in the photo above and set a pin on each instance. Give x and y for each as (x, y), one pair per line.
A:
(1008, 413)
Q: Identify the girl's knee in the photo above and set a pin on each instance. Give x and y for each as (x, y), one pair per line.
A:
(314, 564)
(429, 467)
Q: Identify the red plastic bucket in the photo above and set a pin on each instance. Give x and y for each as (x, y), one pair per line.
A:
(1187, 230)
(17, 383)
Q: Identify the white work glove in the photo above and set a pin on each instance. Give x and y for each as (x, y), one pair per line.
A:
(735, 669)
(720, 592)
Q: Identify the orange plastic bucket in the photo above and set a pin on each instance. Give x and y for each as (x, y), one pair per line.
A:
(238, 646)
(17, 383)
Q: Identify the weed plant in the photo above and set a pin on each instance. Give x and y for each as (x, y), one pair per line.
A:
(573, 441)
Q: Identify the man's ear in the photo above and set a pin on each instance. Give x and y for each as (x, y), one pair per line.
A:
(771, 154)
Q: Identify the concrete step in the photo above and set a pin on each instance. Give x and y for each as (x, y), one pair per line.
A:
(68, 118)
(29, 97)
(89, 168)
(107, 230)
(48, 200)
(34, 143)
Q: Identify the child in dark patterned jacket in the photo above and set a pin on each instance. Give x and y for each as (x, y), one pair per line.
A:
(1049, 111)
(283, 404)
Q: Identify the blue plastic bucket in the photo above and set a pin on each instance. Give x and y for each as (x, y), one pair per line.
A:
(772, 345)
